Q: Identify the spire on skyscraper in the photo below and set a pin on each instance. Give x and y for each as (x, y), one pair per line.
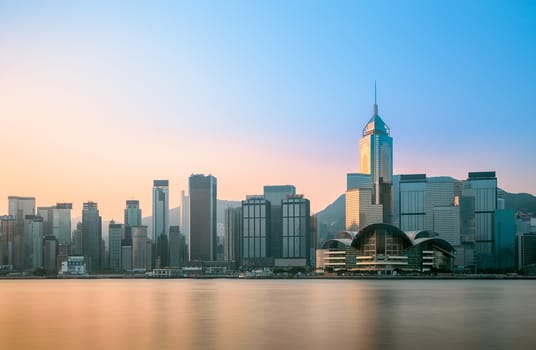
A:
(375, 125)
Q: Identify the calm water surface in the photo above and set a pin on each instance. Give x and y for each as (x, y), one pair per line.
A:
(267, 314)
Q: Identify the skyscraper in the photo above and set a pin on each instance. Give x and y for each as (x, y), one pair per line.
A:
(203, 202)
(92, 236)
(160, 208)
(233, 235)
(296, 228)
(132, 217)
(114, 245)
(376, 159)
(185, 217)
(132, 212)
(139, 247)
(484, 188)
(20, 207)
(375, 177)
(256, 230)
(275, 195)
(57, 221)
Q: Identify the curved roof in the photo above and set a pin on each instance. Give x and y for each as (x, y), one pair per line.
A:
(413, 235)
(346, 234)
(392, 229)
(439, 242)
(336, 243)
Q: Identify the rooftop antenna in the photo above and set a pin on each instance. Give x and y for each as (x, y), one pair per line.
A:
(375, 111)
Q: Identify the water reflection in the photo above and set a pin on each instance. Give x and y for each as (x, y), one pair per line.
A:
(264, 314)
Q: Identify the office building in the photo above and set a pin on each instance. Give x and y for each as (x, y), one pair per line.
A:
(275, 194)
(177, 247)
(78, 241)
(233, 235)
(132, 217)
(375, 177)
(505, 237)
(376, 160)
(126, 257)
(7, 235)
(115, 231)
(57, 221)
(50, 252)
(139, 248)
(33, 227)
(256, 230)
(526, 253)
(92, 237)
(296, 227)
(203, 210)
(185, 217)
(160, 208)
(360, 210)
(21, 206)
(484, 187)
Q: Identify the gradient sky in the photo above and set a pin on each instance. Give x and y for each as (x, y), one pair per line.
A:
(97, 99)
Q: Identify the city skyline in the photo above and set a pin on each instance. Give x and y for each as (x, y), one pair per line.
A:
(90, 101)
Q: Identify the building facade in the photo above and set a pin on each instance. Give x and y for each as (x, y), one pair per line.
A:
(296, 226)
(115, 232)
(160, 222)
(203, 211)
(233, 235)
(92, 237)
(255, 230)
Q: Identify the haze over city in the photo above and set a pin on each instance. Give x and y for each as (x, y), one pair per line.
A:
(99, 99)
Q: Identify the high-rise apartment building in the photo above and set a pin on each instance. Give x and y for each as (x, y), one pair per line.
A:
(203, 210)
(92, 237)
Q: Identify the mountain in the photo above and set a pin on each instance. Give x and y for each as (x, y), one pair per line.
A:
(524, 202)
(331, 220)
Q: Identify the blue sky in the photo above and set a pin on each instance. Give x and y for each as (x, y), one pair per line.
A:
(262, 92)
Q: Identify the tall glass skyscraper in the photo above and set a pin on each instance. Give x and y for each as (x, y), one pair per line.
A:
(160, 208)
(92, 236)
(203, 211)
(375, 179)
(376, 159)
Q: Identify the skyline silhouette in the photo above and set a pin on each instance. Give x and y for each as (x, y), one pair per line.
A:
(97, 100)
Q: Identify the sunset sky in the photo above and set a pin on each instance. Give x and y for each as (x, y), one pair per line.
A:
(99, 98)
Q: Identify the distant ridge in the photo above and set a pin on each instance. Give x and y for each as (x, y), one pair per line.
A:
(334, 215)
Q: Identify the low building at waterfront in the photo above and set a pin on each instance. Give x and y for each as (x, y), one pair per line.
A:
(74, 265)
(383, 248)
